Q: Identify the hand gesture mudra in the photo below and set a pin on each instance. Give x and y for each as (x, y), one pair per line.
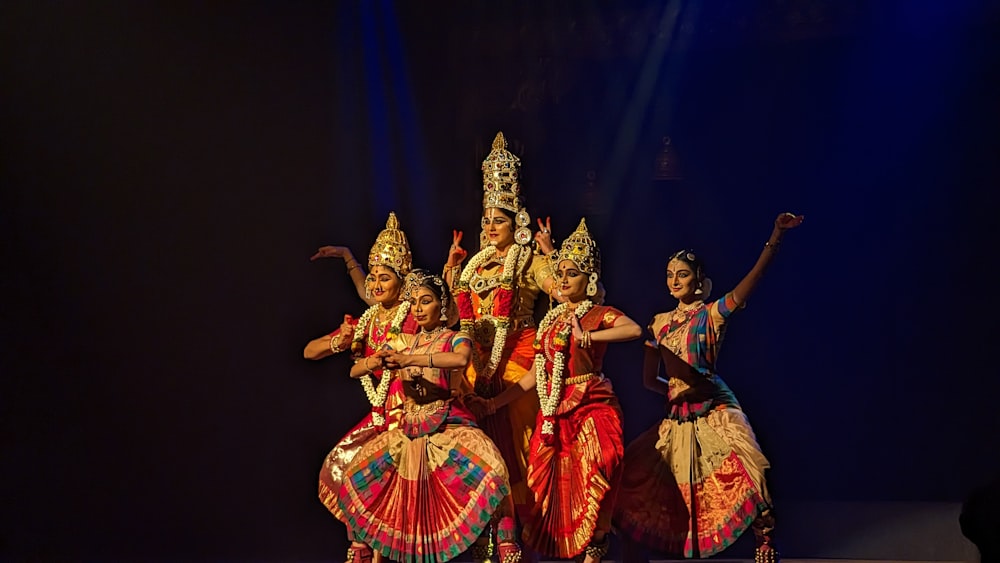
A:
(544, 236)
(788, 221)
(577, 329)
(393, 359)
(332, 252)
(456, 254)
(347, 330)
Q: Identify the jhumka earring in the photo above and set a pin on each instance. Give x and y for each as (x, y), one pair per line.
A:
(592, 286)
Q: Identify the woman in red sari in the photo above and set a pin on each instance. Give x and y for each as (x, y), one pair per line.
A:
(574, 463)
(381, 325)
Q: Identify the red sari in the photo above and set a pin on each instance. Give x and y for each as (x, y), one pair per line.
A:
(331, 474)
(574, 478)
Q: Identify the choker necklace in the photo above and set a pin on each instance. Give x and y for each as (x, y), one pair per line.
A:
(694, 305)
(428, 334)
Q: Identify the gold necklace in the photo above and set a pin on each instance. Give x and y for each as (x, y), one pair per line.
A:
(386, 315)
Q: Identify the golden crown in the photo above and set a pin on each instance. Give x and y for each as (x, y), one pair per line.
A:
(500, 178)
(391, 249)
(580, 249)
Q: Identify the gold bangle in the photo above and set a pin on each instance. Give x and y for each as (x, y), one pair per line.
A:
(775, 246)
(335, 347)
(430, 360)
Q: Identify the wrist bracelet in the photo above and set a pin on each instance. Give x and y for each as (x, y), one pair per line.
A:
(430, 360)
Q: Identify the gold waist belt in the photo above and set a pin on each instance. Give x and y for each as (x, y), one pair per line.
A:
(412, 407)
(582, 378)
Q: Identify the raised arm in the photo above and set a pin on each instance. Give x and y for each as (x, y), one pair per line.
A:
(456, 254)
(354, 268)
(784, 222)
(546, 276)
(333, 343)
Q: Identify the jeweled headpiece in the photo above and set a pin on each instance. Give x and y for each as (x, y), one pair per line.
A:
(501, 186)
(424, 278)
(391, 249)
(581, 249)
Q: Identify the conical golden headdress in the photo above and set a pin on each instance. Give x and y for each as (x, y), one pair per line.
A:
(502, 188)
(500, 178)
(391, 249)
(580, 249)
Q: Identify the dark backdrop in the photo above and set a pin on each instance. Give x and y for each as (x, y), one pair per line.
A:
(169, 167)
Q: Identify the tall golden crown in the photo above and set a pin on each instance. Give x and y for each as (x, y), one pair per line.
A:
(580, 249)
(500, 178)
(391, 249)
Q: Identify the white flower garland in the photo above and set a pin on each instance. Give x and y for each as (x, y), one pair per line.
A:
(549, 386)
(516, 258)
(377, 396)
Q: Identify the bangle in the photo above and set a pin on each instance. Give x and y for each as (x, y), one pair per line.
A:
(491, 406)
(455, 272)
(430, 360)
(335, 343)
(773, 245)
(585, 341)
(370, 370)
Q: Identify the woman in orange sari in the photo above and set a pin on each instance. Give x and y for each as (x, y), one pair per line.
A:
(496, 294)
(380, 326)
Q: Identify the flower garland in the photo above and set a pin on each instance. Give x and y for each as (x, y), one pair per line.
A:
(549, 386)
(377, 396)
(503, 303)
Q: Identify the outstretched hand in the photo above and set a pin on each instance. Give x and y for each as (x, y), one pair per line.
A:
(332, 252)
(456, 254)
(544, 236)
(788, 221)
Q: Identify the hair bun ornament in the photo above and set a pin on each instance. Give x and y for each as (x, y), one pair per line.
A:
(705, 289)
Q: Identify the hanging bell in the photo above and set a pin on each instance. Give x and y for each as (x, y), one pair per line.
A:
(667, 167)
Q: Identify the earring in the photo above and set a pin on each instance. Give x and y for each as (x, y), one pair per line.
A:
(698, 291)
(592, 286)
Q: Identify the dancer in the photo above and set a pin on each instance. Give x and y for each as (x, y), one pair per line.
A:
(381, 325)
(576, 449)
(695, 482)
(427, 489)
(496, 294)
